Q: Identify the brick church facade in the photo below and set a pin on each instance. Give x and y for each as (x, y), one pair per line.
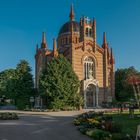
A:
(93, 64)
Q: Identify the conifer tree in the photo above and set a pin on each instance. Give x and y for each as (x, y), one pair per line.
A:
(60, 84)
(24, 84)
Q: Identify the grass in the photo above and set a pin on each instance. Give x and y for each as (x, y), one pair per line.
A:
(112, 125)
(129, 124)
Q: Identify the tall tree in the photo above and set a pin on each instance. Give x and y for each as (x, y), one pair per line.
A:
(123, 91)
(24, 84)
(17, 84)
(6, 78)
(59, 84)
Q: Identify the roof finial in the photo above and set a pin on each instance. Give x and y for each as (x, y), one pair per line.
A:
(71, 13)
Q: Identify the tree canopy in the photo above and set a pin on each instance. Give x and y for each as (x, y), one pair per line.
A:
(24, 83)
(60, 84)
(6, 77)
(123, 90)
(17, 84)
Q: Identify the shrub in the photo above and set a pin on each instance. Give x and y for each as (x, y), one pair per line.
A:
(83, 130)
(101, 135)
(76, 121)
(90, 132)
(8, 116)
(93, 122)
(117, 136)
(21, 104)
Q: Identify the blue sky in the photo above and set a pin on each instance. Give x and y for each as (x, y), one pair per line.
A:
(23, 21)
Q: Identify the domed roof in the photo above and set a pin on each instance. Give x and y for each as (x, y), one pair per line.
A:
(66, 27)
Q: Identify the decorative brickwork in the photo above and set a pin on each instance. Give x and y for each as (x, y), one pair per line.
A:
(77, 41)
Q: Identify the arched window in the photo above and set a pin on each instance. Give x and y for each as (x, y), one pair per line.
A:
(86, 31)
(90, 32)
(89, 68)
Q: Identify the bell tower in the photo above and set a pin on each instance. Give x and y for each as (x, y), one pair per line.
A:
(88, 30)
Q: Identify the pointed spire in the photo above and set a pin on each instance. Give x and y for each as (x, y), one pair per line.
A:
(111, 53)
(43, 44)
(112, 58)
(94, 22)
(54, 45)
(94, 33)
(55, 53)
(43, 38)
(36, 47)
(104, 41)
(104, 38)
(71, 13)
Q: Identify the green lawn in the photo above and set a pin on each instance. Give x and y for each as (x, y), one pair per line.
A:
(129, 124)
(109, 125)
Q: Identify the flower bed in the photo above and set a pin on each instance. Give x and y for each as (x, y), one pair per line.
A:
(101, 126)
(8, 116)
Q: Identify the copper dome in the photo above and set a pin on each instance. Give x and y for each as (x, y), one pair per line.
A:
(66, 27)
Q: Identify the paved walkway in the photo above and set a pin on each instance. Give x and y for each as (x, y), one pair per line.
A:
(41, 126)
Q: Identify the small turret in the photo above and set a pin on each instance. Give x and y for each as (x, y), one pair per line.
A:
(82, 29)
(105, 46)
(112, 58)
(105, 64)
(94, 34)
(43, 44)
(55, 52)
(71, 24)
(112, 76)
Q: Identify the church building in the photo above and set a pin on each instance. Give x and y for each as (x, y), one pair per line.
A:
(93, 64)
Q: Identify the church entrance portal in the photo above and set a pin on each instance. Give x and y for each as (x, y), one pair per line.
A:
(91, 96)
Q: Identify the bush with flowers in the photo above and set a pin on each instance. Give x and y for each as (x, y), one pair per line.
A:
(100, 126)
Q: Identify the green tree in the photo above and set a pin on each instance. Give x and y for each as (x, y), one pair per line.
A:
(6, 78)
(17, 84)
(23, 84)
(124, 91)
(59, 84)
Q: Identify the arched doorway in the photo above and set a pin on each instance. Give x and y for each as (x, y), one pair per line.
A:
(91, 96)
